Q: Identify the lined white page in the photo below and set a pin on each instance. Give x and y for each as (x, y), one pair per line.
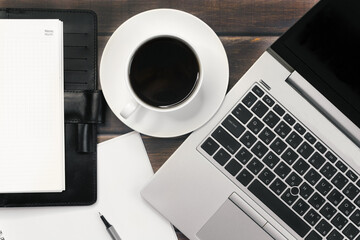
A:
(31, 106)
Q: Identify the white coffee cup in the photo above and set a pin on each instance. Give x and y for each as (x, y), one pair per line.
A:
(195, 109)
(166, 63)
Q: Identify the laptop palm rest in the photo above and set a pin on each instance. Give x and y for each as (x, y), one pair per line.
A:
(231, 223)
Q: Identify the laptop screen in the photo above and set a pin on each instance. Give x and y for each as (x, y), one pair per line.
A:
(324, 47)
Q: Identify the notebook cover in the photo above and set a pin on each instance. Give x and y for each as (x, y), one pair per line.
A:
(82, 104)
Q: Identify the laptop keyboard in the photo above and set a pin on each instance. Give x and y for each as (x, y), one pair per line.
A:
(263, 147)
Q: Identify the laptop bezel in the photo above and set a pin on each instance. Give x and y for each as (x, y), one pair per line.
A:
(281, 49)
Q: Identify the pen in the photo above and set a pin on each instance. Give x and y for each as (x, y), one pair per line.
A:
(111, 230)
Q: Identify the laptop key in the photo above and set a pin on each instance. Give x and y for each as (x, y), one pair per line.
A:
(305, 150)
(323, 227)
(301, 207)
(289, 156)
(267, 135)
(233, 167)
(316, 200)
(324, 187)
(339, 221)
(331, 157)
(255, 166)
(328, 170)
(341, 166)
(289, 119)
(249, 99)
(358, 183)
(259, 149)
(278, 146)
(233, 126)
(279, 208)
(312, 176)
(271, 160)
(271, 119)
(320, 147)
(351, 175)
(316, 160)
(266, 176)
(268, 101)
(282, 170)
(226, 140)
(313, 236)
(255, 125)
(311, 139)
(278, 186)
(210, 146)
(279, 110)
(258, 91)
(282, 129)
(241, 113)
(351, 231)
(335, 235)
(293, 180)
(294, 140)
(222, 157)
(355, 218)
(245, 177)
(328, 211)
(335, 197)
(259, 109)
(243, 155)
(300, 129)
(346, 207)
(312, 217)
(306, 190)
(351, 191)
(301, 166)
(339, 181)
(248, 139)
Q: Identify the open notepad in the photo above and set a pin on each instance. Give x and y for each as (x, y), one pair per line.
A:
(31, 106)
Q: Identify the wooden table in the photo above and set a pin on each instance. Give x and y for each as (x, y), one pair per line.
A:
(245, 27)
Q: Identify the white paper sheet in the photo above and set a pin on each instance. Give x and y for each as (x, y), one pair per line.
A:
(31, 106)
(123, 169)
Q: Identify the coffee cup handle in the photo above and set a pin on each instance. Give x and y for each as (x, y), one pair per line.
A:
(129, 109)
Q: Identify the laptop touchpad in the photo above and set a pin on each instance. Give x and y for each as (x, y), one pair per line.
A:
(231, 223)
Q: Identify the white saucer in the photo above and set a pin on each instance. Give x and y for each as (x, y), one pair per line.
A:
(211, 54)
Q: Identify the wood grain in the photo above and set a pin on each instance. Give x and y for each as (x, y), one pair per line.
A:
(246, 28)
(226, 17)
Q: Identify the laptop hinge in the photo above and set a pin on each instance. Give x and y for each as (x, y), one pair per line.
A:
(323, 105)
(280, 59)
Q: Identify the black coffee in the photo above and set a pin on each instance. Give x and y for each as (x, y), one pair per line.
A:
(163, 72)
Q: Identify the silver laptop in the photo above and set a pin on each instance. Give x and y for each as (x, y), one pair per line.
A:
(281, 158)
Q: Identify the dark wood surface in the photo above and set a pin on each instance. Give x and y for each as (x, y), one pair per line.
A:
(245, 27)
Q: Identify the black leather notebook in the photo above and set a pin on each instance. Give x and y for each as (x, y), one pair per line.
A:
(83, 109)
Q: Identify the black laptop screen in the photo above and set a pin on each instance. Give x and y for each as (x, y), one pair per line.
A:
(324, 46)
